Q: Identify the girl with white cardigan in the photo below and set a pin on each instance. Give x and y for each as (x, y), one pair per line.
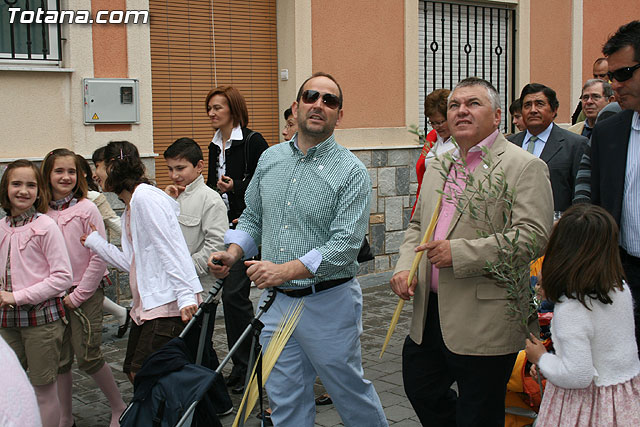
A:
(594, 377)
(164, 283)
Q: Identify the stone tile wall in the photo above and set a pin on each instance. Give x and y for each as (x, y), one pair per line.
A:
(394, 185)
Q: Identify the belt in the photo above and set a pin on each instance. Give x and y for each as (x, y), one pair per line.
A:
(629, 259)
(319, 287)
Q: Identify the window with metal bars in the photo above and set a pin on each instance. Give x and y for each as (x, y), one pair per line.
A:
(29, 41)
(460, 40)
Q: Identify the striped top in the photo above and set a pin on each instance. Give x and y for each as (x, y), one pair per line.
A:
(64, 203)
(582, 192)
(312, 207)
(630, 218)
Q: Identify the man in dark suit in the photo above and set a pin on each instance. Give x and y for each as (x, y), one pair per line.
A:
(615, 151)
(560, 149)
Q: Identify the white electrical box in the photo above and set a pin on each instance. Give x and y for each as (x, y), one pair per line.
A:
(111, 101)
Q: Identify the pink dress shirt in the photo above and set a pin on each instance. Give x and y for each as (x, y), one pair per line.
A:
(454, 186)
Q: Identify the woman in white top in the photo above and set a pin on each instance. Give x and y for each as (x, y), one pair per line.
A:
(233, 157)
(439, 140)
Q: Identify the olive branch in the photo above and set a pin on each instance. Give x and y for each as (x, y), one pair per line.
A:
(419, 133)
(489, 201)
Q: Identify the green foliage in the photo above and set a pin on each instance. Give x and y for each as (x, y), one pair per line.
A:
(489, 201)
(419, 132)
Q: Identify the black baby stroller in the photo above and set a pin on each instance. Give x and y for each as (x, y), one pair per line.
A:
(177, 385)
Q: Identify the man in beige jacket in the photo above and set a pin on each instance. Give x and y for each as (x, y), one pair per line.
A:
(460, 330)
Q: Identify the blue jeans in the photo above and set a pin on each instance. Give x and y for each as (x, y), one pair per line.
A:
(326, 343)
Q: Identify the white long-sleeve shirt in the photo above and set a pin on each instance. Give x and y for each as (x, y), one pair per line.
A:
(596, 345)
(164, 269)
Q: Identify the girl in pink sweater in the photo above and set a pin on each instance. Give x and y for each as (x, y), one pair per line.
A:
(35, 271)
(75, 214)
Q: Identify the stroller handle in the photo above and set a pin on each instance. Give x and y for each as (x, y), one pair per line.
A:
(271, 296)
(213, 293)
(268, 301)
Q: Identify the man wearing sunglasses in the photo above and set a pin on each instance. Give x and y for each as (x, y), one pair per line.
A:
(615, 153)
(308, 206)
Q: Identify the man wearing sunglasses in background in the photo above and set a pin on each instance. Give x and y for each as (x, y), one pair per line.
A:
(615, 153)
(308, 205)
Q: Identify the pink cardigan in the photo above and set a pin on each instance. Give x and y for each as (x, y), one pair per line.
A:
(88, 268)
(40, 266)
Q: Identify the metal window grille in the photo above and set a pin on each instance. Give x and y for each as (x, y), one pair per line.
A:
(460, 40)
(29, 41)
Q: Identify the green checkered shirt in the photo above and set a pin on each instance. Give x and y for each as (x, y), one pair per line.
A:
(314, 208)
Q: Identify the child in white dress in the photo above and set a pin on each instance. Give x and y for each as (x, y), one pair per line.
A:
(593, 379)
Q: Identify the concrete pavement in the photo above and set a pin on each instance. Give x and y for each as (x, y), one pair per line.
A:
(91, 409)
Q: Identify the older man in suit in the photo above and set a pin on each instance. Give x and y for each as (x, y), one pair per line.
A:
(460, 330)
(560, 149)
(615, 154)
(596, 94)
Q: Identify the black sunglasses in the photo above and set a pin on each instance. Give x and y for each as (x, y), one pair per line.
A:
(329, 99)
(622, 74)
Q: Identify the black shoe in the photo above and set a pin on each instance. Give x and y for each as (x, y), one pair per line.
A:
(224, 413)
(233, 380)
(124, 328)
(324, 399)
(267, 417)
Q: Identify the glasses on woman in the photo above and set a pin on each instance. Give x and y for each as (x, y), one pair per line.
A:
(435, 124)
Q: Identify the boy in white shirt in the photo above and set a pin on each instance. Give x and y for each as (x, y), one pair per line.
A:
(202, 217)
(203, 221)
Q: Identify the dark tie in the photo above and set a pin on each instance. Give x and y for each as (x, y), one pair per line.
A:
(532, 144)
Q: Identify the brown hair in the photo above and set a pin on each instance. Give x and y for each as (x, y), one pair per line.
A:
(88, 173)
(42, 200)
(80, 190)
(125, 169)
(237, 104)
(436, 102)
(582, 257)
